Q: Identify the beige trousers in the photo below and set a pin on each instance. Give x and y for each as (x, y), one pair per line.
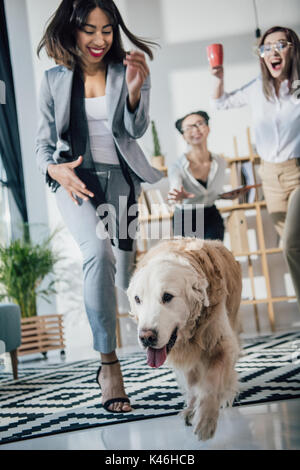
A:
(281, 186)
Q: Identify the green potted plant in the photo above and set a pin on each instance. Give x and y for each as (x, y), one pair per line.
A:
(157, 159)
(24, 266)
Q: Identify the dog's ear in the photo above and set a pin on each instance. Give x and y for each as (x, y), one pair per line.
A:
(196, 291)
(200, 287)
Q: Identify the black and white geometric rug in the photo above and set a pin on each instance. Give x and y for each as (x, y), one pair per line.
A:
(65, 397)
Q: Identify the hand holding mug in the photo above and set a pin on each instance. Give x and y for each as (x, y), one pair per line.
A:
(218, 72)
(215, 55)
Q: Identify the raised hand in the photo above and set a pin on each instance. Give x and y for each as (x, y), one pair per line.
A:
(65, 175)
(218, 72)
(136, 73)
(176, 195)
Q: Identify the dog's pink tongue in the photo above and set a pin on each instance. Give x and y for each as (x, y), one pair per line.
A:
(156, 357)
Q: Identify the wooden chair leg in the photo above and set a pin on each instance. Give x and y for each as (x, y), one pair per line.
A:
(14, 362)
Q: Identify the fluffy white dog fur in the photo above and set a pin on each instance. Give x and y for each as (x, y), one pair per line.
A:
(189, 291)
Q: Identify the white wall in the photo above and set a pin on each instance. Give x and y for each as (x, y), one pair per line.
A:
(180, 82)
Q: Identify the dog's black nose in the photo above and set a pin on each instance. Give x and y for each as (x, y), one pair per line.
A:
(148, 337)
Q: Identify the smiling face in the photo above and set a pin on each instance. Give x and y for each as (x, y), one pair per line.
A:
(195, 130)
(95, 38)
(277, 61)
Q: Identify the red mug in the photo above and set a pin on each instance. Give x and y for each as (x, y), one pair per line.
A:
(215, 54)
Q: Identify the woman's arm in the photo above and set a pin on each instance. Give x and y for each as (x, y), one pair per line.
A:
(136, 110)
(177, 192)
(222, 100)
(218, 73)
(137, 121)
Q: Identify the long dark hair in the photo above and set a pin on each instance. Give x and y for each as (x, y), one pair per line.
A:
(293, 72)
(59, 38)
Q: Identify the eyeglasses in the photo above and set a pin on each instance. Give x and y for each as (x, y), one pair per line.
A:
(266, 49)
(197, 125)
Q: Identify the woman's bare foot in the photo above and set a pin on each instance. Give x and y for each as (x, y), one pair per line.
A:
(111, 382)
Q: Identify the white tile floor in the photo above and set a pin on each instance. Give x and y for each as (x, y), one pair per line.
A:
(272, 426)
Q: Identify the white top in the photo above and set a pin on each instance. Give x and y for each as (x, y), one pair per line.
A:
(179, 174)
(101, 139)
(276, 123)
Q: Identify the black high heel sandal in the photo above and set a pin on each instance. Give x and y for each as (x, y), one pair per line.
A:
(111, 400)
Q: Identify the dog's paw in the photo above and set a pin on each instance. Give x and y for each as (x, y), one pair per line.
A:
(206, 426)
(187, 415)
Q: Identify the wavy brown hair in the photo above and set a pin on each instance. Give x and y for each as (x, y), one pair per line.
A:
(59, 39)
(294, 66)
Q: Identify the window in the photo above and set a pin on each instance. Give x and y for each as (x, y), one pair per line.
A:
(5, 220)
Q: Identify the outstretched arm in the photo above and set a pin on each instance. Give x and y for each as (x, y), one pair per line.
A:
(221, 99)
(177, 192)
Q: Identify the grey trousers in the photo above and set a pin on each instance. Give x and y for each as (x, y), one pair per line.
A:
(281, 186)
(104, 266)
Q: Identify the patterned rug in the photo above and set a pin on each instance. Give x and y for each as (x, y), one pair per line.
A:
(65, 397)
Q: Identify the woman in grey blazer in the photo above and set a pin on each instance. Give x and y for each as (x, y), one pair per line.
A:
(93, 107)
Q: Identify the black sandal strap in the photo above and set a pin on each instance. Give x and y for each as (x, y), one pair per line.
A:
(115, 400)
(110, 363)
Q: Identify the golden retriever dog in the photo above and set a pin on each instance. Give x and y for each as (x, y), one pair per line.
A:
(185, 295)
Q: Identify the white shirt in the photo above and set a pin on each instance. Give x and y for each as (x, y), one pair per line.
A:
(101, 139)
(276, 123)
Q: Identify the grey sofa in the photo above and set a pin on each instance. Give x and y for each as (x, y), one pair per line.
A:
(10, 332)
